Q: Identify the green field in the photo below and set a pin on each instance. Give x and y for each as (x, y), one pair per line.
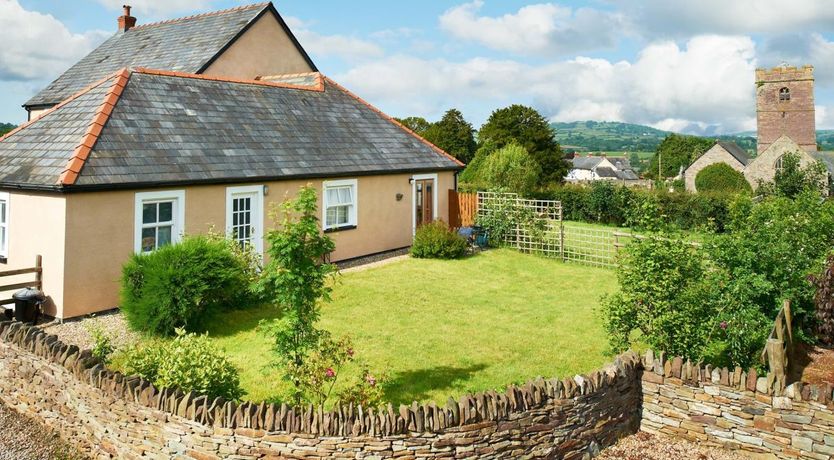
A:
(444, 328)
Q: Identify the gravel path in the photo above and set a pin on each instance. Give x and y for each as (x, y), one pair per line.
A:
(25, 439)
(78, 331)
(645, 446)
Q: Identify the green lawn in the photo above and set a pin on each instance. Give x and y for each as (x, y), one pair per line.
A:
(443, 328)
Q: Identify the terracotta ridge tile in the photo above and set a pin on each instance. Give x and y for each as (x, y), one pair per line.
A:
(286, 75)
(88, 141)
(395, 122)
(62, 103)
(202, 15)
(170, 73)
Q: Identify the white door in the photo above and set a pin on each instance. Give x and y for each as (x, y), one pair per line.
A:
(244, 216)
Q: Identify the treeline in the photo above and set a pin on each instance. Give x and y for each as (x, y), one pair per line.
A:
(6, 127)
(515, 148)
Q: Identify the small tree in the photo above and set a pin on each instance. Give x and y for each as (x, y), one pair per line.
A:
(525, 126)
(824, 300)
(792, 179)
(295, 280)
(510, 169)
(417, 124)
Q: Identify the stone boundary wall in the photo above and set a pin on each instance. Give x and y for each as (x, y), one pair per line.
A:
(737, 409)
(113, 415)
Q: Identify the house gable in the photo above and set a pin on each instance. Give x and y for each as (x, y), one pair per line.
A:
(265, 47)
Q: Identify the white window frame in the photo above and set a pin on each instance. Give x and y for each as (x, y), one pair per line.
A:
(178, 213)
(257, 224)
(4, 244)
(414, 180)
(354, 209)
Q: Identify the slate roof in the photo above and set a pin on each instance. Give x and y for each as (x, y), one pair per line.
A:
(605, 171)
(827, 158)
(585, 162)
(737, 152)
(170, 128)
(187, 45)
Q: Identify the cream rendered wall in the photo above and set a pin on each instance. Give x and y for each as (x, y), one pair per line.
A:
(36, 226)
(100, 228)
(264, 49)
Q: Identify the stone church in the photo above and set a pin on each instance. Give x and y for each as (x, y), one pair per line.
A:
(785, 123)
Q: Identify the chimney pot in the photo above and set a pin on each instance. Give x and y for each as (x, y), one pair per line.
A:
(126, 21)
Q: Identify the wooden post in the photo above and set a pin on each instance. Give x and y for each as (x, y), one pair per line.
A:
(777, 360)
(39, 272)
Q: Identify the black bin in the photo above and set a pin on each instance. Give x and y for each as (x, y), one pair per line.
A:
(27, 305)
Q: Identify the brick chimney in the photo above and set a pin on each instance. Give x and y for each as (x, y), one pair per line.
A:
(126, 21)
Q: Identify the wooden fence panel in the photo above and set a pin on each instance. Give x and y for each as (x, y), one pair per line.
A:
(463, 207)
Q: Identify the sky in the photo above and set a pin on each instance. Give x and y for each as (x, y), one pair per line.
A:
(686, 66)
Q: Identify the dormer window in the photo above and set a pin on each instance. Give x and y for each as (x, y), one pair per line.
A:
(784, 95)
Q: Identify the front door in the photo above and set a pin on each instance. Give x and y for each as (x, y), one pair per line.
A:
(244, 221)
(423, 201)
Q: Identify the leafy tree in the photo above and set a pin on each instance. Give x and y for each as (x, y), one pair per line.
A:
(471, 175)
(454, 135)
(792, 179)
(510, 169)
(721, 177)
(6, 127)
(417, 124)
(634, 161)
(677, 151)
(528, 128)
(295, 279)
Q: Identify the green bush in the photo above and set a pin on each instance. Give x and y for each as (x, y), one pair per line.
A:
(189, 362)
(182, 285)
(436, 240)
(509, 169)
(721, 177)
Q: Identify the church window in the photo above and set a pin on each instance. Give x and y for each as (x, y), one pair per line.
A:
(784, 95)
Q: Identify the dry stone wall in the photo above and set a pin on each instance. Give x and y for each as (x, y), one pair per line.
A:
(737, 409)
(126, 417)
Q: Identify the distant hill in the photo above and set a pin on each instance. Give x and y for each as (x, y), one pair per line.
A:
(6, 127)
(614, 136)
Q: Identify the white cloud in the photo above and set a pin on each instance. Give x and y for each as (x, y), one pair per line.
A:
(545, 28)
(707, 85)
(799, 49)
(682, 18)
(158, 9)
(37, 46)
(342, 46)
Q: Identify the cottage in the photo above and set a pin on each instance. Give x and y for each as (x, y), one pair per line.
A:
(592, 168)
(140, 157)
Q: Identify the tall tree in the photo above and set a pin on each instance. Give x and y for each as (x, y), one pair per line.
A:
(417, 124)
(454, 135)
(528, 128)
(677, 151)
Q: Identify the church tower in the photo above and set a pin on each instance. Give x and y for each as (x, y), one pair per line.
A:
(785, 106)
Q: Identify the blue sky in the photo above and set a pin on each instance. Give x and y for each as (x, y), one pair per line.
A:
(679, 65)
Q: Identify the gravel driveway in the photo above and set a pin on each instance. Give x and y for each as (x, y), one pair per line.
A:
(24, 439)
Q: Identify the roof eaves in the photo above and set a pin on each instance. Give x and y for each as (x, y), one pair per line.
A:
(395, 122)
(60, 104)
(319, 87)
(90, 137)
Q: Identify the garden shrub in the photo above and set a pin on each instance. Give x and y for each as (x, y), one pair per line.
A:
(509, 169)
(436, 240)
(721, 177)
(181, 285)
(190, 362)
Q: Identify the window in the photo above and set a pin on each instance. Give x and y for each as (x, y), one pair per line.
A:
(340, 201)
(784, 95)
(244, 216)
(160, 217)
(4, 225)
(778, 166)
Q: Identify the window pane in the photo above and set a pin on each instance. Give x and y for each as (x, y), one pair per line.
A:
(332, 196)
(344, 195)
(163, 236)
(331, 217)
(148, 239)
(149, 213)
(2, 212)
(3, 239)
(166, 211)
